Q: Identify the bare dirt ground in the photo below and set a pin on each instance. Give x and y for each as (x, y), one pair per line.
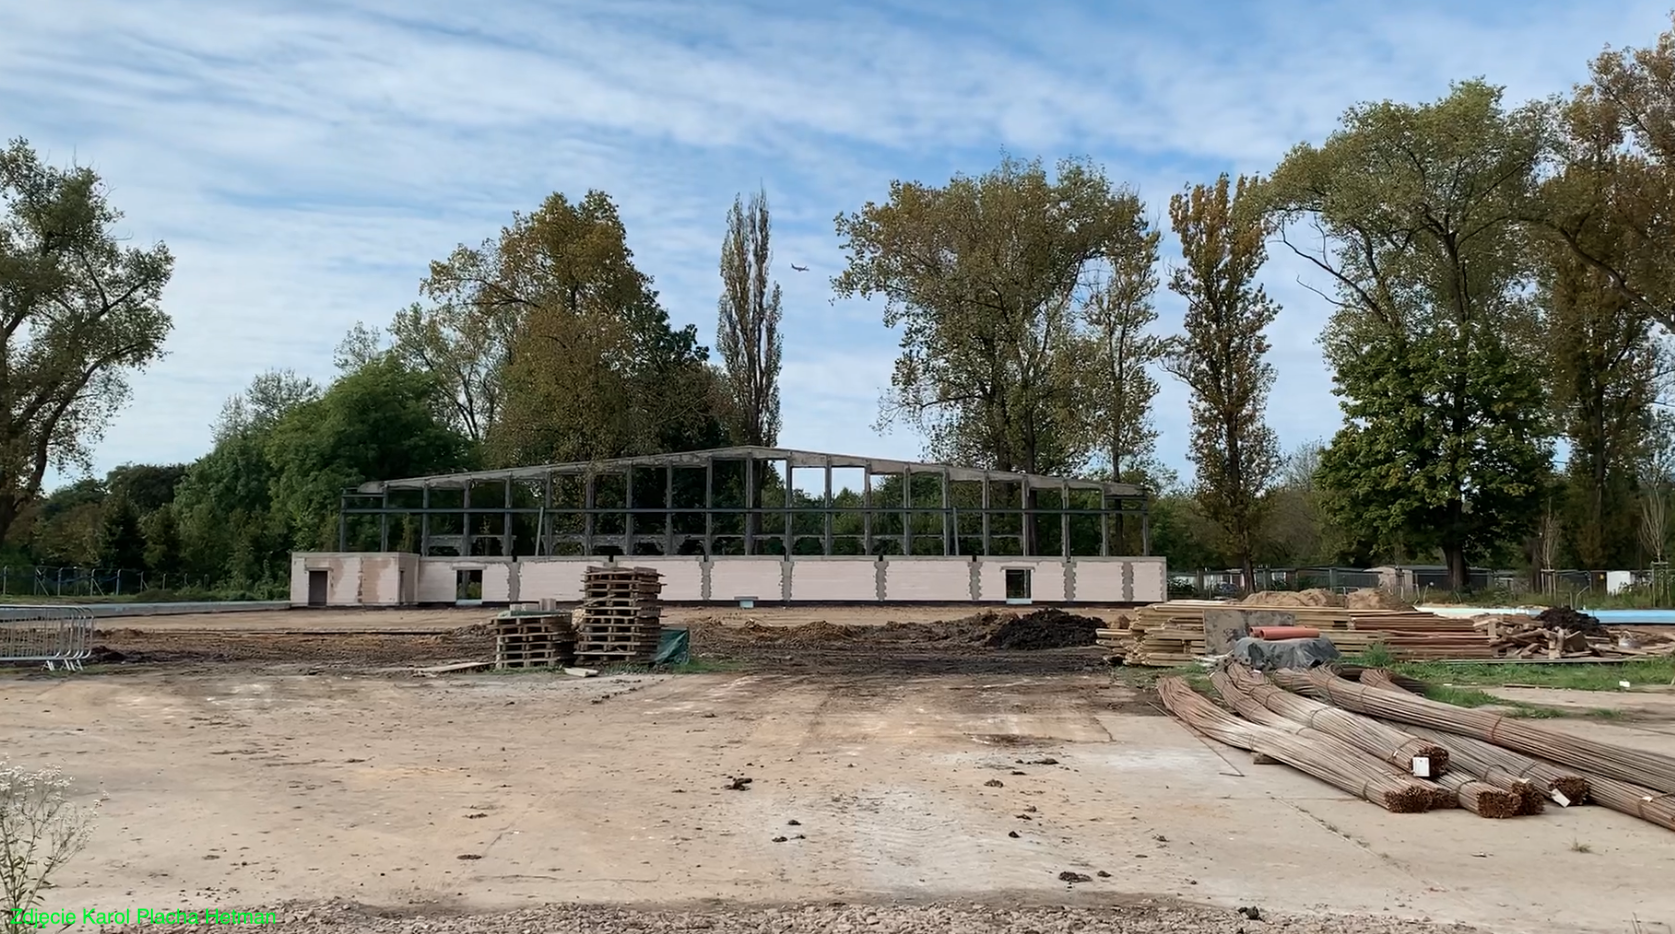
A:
(925, 785)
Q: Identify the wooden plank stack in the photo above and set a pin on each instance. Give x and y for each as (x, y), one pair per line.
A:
(621, 616)
(541, 638)
(1170, 634)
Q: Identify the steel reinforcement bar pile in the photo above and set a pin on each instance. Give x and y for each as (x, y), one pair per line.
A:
(1403, 750)
(1252, 709)
(1624, 797)
(1423, 756)
(1359, 775)
(1632, 781)
(1532, 779)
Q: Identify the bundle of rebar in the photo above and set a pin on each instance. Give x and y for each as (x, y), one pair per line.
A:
(1531, 779)
(1482, 798)
(1251, 708)
(1360, 776)
(1405, 751)
(1401, 749)
(1635, 766)
(1624, 797)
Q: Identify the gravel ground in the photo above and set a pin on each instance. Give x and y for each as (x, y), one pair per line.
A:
(1142, 918)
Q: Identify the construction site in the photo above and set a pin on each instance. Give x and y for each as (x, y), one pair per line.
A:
(794, 766)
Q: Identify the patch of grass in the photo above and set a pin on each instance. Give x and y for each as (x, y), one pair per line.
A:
(1586, 677)
(1375, 656)
(1471, 697)
(1579, 847)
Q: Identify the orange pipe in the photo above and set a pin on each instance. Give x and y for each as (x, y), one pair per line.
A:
(1277, 633)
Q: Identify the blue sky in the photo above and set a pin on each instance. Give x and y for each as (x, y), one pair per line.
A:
(306, 161)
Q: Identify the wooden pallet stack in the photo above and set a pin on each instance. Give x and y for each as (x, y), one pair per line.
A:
(621, 616)
(539, 638)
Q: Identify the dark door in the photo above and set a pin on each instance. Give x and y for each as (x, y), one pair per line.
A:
(316, 588)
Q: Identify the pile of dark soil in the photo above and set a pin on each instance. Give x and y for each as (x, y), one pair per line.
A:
(1045, 629)
(1563, 617)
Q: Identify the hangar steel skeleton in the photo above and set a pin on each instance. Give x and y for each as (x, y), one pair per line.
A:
(587, 508)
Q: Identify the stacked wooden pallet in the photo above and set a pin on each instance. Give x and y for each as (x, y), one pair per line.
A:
(1172, 633)
(621, 616)
(541, 638)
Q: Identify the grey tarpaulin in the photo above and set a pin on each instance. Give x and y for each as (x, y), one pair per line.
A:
(673, 648)
(1288, 653)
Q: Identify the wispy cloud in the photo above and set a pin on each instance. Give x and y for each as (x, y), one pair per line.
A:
(306, 160)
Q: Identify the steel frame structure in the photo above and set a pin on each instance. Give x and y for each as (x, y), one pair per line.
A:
(1119, 501)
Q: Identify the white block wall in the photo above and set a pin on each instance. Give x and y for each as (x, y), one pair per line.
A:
(683, 578)
(934, 579)
(1046, 578)
(553, 578)
(355, 578)
(737, 576)
(363, 579)
(822, 579)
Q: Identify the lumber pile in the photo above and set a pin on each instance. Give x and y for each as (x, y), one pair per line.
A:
(538, 638)
(621, 616)
(1165, 635)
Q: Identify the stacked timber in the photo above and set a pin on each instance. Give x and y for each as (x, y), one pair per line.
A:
(1164, 635)
(539, 638)
(621, 616)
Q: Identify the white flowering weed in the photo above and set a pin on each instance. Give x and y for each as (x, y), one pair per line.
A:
(39, 831)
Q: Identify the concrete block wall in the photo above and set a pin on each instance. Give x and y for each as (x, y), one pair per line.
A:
(934, 579)
(835, 578)
(1047, 578)
(552, 578)
(360, 579)
(759, 576)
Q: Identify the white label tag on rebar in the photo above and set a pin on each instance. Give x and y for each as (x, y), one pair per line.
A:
(1559, 796)
(1422, 766)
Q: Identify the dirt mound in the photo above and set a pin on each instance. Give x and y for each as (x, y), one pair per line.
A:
(1372, 598)
(1566, 618)
(1045, 629)
(1293, 598)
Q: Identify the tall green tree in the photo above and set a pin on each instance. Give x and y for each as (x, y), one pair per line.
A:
(986, 277)
(748, 338)
(1616, 171)
(1119, 319)
(1432, 342)
(1221, 358)
(592, 367)
(79, 312)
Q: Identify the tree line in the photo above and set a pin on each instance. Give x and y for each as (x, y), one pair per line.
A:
(1498, 345)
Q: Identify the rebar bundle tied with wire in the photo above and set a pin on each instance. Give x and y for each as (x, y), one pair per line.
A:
(1359, 775)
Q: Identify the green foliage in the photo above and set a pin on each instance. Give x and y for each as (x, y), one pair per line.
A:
(985, 277)
(376, 422)
(1445, 442)
(581, 361)
(79, 311)
(748, 338)
(1221, 358)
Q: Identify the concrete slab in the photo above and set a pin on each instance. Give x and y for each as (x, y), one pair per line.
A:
(246, 789)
